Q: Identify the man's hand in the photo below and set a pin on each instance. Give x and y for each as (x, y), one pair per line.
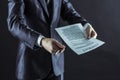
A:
(52, 45)
(90, 32)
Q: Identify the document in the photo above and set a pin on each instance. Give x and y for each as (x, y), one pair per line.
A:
(75, 37)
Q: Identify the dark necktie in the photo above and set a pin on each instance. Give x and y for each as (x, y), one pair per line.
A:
(47, 1)
(49, 7)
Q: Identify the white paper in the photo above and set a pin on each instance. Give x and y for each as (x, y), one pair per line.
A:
(75, 37)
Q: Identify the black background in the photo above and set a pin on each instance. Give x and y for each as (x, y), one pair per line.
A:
(100, 64)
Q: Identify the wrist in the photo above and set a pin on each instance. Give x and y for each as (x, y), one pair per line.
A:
(86, 25)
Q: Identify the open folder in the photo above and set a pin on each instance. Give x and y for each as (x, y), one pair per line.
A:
(75, 37)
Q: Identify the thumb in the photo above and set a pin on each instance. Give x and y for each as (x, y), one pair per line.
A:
(88, 32)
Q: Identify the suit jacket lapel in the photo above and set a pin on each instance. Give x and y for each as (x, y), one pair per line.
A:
(53, 8)
(44, 5)
(55, 5)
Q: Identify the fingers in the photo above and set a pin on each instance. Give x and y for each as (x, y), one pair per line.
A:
(55, 51)
(59, 44)
(58, 51)
(52, 46)
(94, 34)
(91, 33)
(88, 32)
(58, 48)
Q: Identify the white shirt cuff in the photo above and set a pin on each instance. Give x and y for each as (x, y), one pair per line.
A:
(39, 40)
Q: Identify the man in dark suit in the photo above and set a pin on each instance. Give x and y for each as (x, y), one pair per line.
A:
(33, 22)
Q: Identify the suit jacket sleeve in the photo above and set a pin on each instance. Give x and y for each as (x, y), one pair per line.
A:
(17, 26)
(69, 14)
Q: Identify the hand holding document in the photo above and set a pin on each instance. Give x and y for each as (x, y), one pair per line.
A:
(75, 37)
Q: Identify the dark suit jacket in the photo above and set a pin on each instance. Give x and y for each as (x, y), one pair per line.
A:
(27, 19)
